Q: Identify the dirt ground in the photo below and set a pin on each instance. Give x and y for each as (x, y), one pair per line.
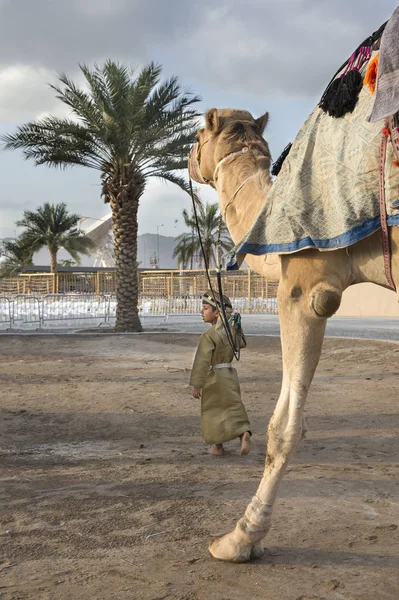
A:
(108, 492)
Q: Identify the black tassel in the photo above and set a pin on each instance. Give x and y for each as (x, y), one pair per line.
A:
(276, 166)
(343, 94)
(329, 94)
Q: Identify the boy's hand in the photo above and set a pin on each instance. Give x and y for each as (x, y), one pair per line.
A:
(196, 392)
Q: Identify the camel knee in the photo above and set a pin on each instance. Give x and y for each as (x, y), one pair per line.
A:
(325, 301)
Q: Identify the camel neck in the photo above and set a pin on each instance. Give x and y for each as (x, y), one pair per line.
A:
(242, 185)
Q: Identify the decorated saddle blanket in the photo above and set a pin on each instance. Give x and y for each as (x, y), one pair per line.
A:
(326, 195)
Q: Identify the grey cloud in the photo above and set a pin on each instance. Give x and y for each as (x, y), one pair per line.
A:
(282, 46)
(289, 47)
(59, 33)
(24, 91)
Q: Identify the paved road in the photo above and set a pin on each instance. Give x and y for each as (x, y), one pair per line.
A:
(376, 328)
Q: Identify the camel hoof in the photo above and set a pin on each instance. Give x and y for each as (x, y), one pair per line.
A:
(226, 548)
(257, 551)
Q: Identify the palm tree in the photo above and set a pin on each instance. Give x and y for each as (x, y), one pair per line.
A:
(183, 250)
(129, 127)
(188, 244)
(51, 226)
(16, 256)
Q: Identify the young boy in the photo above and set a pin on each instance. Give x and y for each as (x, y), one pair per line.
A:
(215, 381)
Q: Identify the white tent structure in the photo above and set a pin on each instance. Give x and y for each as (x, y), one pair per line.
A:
(100, 232)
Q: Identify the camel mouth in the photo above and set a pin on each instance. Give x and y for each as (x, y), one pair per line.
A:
(194, 168)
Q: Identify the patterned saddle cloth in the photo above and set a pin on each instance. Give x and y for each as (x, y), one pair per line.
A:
(326, 195)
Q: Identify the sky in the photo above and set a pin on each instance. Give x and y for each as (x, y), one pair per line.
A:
(259, 55)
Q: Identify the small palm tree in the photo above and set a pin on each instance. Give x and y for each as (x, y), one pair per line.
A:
(183, 250)
(51, 226)
(15, 256)
(129, 126)
(188, 244)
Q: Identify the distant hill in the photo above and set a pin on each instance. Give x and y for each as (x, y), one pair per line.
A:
(147, 247)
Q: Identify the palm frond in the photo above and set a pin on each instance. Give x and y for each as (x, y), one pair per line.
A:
(123, 118)
(57, 142)
(81, 104)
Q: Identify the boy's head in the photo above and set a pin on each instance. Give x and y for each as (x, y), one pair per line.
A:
(211, 305)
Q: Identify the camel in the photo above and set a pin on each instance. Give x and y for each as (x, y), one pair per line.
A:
(233, 157)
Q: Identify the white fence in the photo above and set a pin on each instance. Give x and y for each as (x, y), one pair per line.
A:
(54, 311)
(64, 311)
(58, 308)
(5, 312)
(26, 311)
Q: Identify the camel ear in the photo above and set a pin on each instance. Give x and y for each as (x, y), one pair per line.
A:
(212, 120)
(262, 122)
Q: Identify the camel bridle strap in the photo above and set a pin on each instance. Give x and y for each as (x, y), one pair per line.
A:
(246, 149)
(386, 247)
(225, 158)
(221, 163)
(233, 197)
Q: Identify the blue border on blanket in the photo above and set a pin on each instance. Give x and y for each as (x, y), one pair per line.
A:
(341, 241)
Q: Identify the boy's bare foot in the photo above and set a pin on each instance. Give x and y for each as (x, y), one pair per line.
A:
(245, 443)
(217, 450)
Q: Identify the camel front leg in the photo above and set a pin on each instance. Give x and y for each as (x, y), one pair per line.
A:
(303, 319)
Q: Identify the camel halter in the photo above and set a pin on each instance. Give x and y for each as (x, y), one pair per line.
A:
(195, 170)
(194, 156)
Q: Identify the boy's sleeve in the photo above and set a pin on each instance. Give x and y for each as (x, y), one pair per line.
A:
(202, 361)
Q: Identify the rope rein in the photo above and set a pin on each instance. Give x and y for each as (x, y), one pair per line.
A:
(235, 344)
(225, 321)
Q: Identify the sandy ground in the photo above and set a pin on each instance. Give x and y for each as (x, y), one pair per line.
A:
(108, 492)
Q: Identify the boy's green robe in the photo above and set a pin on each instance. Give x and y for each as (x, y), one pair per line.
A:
(223, 414)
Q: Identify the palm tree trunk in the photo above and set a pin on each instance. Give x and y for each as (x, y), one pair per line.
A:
(53, 260)
(124, 206)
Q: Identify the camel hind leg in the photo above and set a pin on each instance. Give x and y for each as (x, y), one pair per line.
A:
(303, 317)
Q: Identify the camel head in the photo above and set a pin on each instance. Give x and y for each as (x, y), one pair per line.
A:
(226, 131)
